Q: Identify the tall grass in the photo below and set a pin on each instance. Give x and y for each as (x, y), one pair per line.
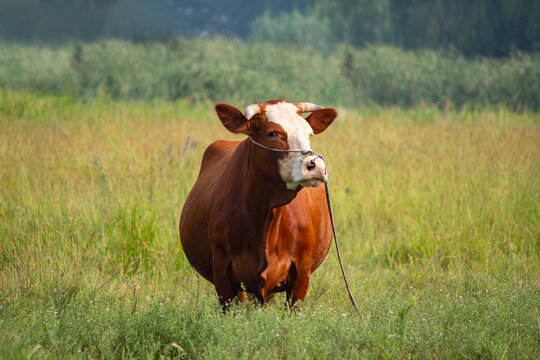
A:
(406, 78)
(221, 69)
(437, 213)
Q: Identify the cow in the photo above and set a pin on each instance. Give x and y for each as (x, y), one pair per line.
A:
(256, 219)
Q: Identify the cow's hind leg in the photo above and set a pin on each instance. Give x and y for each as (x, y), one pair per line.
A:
(224, 281)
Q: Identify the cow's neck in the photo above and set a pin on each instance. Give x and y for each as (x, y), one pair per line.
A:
(267, 190)
(259, 192)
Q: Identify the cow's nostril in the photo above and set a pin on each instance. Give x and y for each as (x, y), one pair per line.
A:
(311, 165)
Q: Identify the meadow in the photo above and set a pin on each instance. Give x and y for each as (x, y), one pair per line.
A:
(437, 213)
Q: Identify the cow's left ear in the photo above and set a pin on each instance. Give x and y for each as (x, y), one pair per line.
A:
(232, 118)
(319, 120)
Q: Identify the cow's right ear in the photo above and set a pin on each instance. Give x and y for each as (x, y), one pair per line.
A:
(232, 118)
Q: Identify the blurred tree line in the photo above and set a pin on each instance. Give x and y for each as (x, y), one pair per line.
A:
(60, 20)
(484, 27)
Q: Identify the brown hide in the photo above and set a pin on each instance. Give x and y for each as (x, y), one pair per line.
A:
(241, 228)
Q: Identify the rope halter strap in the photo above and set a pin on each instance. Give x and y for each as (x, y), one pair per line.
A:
(303, 152)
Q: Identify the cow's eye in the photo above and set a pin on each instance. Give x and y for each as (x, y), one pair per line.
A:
(271, 134)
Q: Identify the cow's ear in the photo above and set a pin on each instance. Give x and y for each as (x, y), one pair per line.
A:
(319, 120)
(232, 118)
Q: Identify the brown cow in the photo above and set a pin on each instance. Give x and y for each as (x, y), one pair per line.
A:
(257, 219)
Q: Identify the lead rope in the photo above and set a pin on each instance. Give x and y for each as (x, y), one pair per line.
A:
(330, 212)
(337, 246)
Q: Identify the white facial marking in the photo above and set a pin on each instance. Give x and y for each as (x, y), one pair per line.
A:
(297, 128)
(291, 168)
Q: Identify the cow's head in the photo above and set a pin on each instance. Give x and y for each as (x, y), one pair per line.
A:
(279, 125)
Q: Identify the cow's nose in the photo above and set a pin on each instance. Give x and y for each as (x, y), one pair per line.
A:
(314, 168)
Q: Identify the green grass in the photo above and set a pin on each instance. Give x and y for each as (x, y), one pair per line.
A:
(221, 69)
(437, 213)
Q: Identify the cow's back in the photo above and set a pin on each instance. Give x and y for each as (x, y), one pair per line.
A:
(196, 212)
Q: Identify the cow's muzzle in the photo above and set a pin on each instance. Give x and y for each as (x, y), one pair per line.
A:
(314, 171)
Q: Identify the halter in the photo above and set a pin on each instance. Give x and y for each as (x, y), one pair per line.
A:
(303, 152)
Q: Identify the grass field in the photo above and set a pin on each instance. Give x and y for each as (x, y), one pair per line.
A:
(437, 213)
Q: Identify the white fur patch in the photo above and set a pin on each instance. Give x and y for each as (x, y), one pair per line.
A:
(298, 131)
(297, 128)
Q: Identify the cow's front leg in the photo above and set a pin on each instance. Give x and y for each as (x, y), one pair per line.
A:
(224, 280)
(298, 283)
